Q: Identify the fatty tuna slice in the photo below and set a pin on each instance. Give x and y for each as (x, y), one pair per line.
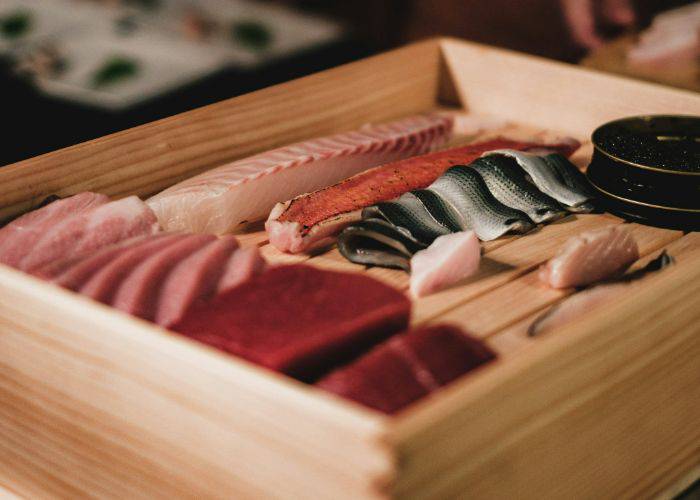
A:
(407, 367)
(241, 266)
(590, 257)
(220, 200)
(194, 277)
(22, 234)
(298, 319)
(102, 285)
(91, 230)
(138, 294)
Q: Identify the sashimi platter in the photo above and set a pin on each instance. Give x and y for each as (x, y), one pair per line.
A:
(385, 265)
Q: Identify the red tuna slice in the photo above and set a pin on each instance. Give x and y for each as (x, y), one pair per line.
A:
(102, 285)
(407, 367)
(20, 235)
(92, 230)
(313, 218)
(139, 292)
(243, 264)
(298, 319)
(194, 277)
(73, 273)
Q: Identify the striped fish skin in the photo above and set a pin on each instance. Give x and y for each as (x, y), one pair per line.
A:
(572, 176)
(508, 184)
(408, 212)
(376, 242)
(547, 176)
(467, 193)
(223, 199)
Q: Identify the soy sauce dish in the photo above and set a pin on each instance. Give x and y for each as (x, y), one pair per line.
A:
(648, 168)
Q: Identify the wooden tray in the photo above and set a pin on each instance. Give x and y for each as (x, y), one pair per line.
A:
(94, 402)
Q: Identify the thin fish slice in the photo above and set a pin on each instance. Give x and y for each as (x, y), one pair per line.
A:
(439, 209)
(581, 303)
(591, 256)
(408, 212)
(547, 176)
(449, 260)
(508, 184)
(572, 176)
(467, 193)
(378, 243)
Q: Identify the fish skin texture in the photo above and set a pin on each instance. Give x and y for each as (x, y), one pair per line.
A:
(313, 319)
(590, 257)
(466, 192)
(408, 367)
(222, 199)
(546, 175)
(447, 261)
(508, 185)
(300, 223)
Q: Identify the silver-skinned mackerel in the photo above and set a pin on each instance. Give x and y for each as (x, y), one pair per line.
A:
(467, 194)
(508, 184)
(553, 175)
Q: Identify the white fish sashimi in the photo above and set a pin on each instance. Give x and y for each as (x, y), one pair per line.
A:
(448, 260)
(220, 200)
(591, 257)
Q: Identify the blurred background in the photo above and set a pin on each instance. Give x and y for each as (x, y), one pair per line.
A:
(74, 70)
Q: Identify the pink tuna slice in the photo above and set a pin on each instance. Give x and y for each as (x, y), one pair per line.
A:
(448, 260)
(220, 200)
(102, 284)
(87, 232)
(20, 235)
(243, 264)
(590, 257)
(139, 292)
(194, 277)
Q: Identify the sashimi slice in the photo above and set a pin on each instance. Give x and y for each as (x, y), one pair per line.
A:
(91, 230)
(448, 260)
(298, 319)
(138, 294)
(241, 266)
(407, 367)
(19, 236)
(220, 200)
(194, 277)
(315, 218)
(590, 257)
(102, 284)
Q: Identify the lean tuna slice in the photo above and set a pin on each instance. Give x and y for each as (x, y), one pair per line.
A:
(91, 230)
(140, 291)
(297, 319)
(407, 367)
(220, 200)
(192, 278)
(316, 218)
(23, 233)
(448, 260)
(590, 257)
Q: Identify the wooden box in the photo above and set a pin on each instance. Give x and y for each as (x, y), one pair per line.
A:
(96, 403)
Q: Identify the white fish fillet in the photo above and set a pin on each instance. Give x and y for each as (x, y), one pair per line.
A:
(448, 260)
(590, 257)
(220, 200)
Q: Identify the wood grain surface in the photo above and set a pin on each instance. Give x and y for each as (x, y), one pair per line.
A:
(96, 403)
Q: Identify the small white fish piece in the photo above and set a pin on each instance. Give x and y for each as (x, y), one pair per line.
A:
(590, 257)
(448, 260)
